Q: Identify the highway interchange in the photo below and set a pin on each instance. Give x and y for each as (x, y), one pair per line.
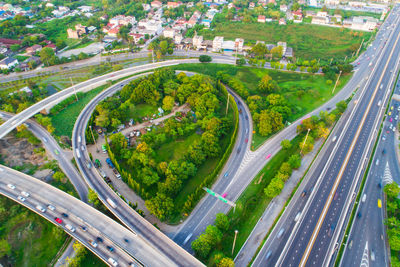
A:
(243, 166)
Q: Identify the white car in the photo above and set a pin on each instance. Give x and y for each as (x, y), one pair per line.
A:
(11, 186)
(25, 194)
(51, 207)
(21, 198)
(40, 208)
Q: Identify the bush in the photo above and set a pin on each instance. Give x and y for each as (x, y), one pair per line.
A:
(205, 58)
(240, 61)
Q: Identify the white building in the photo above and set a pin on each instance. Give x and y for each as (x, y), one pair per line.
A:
(169, 33)
(8, 63)
(197, 41)
(217, 43)
(123, 20)
(239, 42)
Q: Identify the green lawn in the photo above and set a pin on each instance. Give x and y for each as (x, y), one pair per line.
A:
(92, 260)
(34, 241)
(174, 150)
(64, 120)
(304, 92)
(80, 45)
(253, 202)
(308, 41)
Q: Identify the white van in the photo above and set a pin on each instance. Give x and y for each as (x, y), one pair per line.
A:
(113, 262)
(70, 227)
(40, 208)
(297, 216)
(364, 198)
(379, 103)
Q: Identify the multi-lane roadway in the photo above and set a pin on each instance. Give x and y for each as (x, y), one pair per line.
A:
(311, 239)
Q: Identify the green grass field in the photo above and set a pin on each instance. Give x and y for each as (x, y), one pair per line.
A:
(34, 241)
(304, 92)
(308, 41)
(64, 120)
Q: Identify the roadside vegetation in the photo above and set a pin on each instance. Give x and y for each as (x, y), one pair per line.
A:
(275, 98)
(171, 162)
(268, 184)
(393, 221)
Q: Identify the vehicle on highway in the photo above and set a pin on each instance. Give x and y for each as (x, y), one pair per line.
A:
(394, 129)
(224, 195)
(269, 253)
(280, 233)
(238, 150)
(351, 244)
(21, 198)
(297, 216)
(379, 103)
(359, 214)
(78, 154)
(40, 208)
(380, 87)
(58, 220)
(79, 139)
(99, 239)
(304, 193)
(390, 113)
(246, 140)
(110, 248)
(11, 186)
(391, 108)
(83, 147)
(70, 227)
(44, 139)
(391, 119)
(113, 262)
(372, 255)
(364, 197)
(268, 156)
(102, 173)
(126, 240)
(51, 207)
(84, 228)
(331, 229)
(379, 203)
(64, 214)
(383, 151)
(226, 174)
(109, 162)
(97, 163)
(25, 194)
(336, 196)
(93, 244)
(112, 204)
(377, 162)
(379, 185)
(88, 164)
(56, 152)
(334, 138)
(383, 137)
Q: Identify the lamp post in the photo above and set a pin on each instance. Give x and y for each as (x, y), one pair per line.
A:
(308, 131)
(337, 80)
(74, 88)
(90, 127)
(234, 241)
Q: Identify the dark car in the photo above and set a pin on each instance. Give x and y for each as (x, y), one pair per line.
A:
(304, 193)
(359, 214)
(99, 239)
(383, 151)
(65, 215)
(110, 248)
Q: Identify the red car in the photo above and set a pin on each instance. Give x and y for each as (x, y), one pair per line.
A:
(58, 220)
(247, 140)
(268, 156)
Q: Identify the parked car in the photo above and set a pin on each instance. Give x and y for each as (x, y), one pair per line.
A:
(58, 220)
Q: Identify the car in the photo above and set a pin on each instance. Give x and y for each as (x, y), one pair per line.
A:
(280, 233)
(246, 140)
(394, 129)
(391, 108)
(226, 174)
(11, 186)
(44, 139)
(304, 193)
(379, 185)
(21, 198)
(268, 156)
(372, 255)
(51, 207)
(269, 253)
(398, 109)
(83, 147)
(84, 228)
(390, 113)
(224, 195)
(396, 118)
(64, 214)
(88, 164)
(113, 262)
(364, 197)
(351, 244)
(238, 150)
(126, 240)
(377, 162)
(359, 214)
(40, 208)
(390, 126)
(391, 119)
(58, 220)
(99, 239)
(110, 248)
(336, 196)
(70, 227)
(56, 152)
(358, 63)
(383, 151)
(25, 194)
(93, 244)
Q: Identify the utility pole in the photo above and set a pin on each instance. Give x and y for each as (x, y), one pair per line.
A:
(74, 88)
(90, 127)
(360, 47)
(152, 55)
(308, 131)
(227, 103)
(337, 80)
(234, 241)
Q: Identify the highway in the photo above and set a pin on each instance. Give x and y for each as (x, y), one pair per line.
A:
(368, 231)
(125, 244)
(124, 212)
(332, 178)
(57, 153)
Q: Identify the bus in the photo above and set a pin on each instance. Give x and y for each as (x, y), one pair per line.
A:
(379, 203)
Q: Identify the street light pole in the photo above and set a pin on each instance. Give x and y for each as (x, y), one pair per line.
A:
(74, 88)
(227, 103)
(337, 80)
(234, 241)
(308, 131)
(90, 127)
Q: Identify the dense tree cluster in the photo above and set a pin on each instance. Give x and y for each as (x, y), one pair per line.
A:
(20, 100)
(161, 46)
(156, 180)
(393, 222)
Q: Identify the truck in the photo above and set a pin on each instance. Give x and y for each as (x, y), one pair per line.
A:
(112, 204)
(109, 162)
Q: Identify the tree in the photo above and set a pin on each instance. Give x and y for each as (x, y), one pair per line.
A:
(59, 176)
(47, 56)
(222, 222)
(307, 145)
(202, 246)
(215, 235)
(392, 190)
(285, 144)
(5, 248)
(161, 206)
(341, 106)
(269, 122)
(274, 188)
(205, 58)
(394, 239)
(92, 198)
(295, 161)
(286, 168)
(259, 50)
(277, 52)
(226, 262)
(267, 85)
(240, 61)
(168, 103)
(210, 144)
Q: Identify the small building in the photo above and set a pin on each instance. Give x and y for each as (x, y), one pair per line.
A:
(174, 4)
(239, 42)
(8, 63)
(261, 19)
(197, 40)
(252, 5)
(217, 43)
(178, 38)
(283, 8)
(156, 4)
(33, 49)
(282, 21)
(320, 20)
